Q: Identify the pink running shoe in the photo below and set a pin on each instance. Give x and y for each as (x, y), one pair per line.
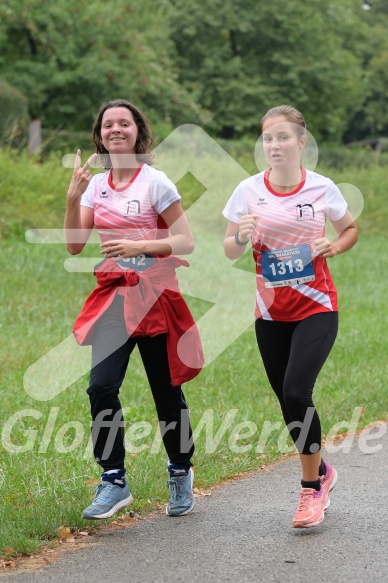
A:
(328, 481)
(310, 511)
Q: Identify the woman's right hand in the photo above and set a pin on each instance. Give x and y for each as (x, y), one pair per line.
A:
(81, 176)
(246, 226)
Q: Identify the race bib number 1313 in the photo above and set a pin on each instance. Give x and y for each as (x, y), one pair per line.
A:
(288, 266)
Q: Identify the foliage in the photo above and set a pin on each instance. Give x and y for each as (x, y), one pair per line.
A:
(256, 54)
(14, 114)
(221, 67)
(70, 58)
(340, 158)
(29, 191)
(371, 118)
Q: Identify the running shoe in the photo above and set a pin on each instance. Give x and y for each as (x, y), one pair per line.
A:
(181, 494)
(108, 500)
(310, 511)
(328, 481)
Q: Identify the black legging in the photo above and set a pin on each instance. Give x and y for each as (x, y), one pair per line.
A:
(111, 350)
(293, 353)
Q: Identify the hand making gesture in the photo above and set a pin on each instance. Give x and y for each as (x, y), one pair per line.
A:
(81, 176)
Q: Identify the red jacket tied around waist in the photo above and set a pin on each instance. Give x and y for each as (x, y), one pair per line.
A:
(153, 305)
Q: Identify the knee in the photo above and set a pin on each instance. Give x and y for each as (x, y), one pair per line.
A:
(296, 403)
(101, 390)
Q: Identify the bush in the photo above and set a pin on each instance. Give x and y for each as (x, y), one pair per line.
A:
(33, 194)
(14, 119)
(342, 157)
(59, 141)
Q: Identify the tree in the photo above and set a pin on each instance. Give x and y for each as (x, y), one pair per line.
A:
(68, 58)
(14, 114)
(241, 57)
(372, 118)
(221, 64)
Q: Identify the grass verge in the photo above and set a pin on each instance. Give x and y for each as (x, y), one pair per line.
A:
(47, 473)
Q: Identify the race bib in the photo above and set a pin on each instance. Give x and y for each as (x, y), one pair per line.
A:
(139, 263)
(288, 266)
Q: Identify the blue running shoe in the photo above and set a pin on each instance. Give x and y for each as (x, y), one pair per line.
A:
(181, 494)
(108, 500)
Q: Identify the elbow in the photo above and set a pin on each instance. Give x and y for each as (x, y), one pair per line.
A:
(74, 249)
(228, 252)
(190, 246)
(185, 246)
(229, 255)
(355, 236)
(233, 253)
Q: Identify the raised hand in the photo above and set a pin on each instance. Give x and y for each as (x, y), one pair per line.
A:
(81, 176)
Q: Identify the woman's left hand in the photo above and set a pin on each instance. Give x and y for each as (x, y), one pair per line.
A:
(325, 247)
(121, 248)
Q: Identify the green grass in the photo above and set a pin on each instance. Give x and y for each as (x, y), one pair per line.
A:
(43, 488)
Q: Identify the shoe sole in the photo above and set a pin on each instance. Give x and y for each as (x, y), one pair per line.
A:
(112, 511)
(182, 513)
(302, 525)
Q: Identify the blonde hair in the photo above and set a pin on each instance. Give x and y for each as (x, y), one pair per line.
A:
(290, 113)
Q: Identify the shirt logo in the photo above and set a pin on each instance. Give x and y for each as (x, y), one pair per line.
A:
(261, 201)
(305, 212)
(103, 194)
(132, 208)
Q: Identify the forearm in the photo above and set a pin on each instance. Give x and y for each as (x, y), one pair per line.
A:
(178, 244)
(239, 235)
(75, 235)
(231, 249)
(346, 240)
(78, 222)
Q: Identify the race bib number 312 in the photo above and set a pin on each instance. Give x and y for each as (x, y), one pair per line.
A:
(288, 266)
(138, 263)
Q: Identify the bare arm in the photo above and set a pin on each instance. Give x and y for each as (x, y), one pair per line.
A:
(245, 228)
(79, 220)
(347, 238)
(180, 241)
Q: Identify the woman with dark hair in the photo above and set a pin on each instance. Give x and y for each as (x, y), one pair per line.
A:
(283, 212)
(143, 139)
(137, 213)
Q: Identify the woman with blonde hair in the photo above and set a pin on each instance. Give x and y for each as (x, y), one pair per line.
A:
(282, 211)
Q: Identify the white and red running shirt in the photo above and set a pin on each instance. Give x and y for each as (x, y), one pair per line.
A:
(131, 212)
(286, 222)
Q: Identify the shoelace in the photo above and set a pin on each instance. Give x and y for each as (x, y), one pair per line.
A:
(102, 491)
(304, 501)
(177, 488)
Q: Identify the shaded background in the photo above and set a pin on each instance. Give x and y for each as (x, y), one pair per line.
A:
(220, 65)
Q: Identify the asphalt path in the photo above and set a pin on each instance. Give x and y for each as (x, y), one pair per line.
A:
(242, 532)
